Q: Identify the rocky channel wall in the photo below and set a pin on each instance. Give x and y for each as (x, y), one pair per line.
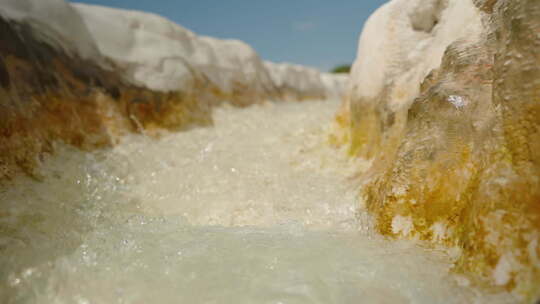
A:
(86, 75)
(444, 97)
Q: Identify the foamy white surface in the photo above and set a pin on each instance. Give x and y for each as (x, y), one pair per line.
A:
(257, 209)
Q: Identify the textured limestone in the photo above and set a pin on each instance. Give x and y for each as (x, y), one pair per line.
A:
(86, 75)
(48, 94)
(55, 21)
(163, 56)
(446, 103)
(336, 85)
(294, 81)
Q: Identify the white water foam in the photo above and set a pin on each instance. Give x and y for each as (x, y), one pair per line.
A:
(257, 209)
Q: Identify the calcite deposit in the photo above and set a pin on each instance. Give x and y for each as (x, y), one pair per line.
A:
(86, 75)
(445, 98)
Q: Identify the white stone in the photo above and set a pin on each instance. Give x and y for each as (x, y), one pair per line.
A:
(503, 270)
(404, 40)
(151, 51)
(335, 84)
(440, 231)
(294, 80)
(165, 56)
(55, 22)
(402, 225)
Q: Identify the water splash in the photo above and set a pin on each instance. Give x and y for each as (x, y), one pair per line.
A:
(257, 209)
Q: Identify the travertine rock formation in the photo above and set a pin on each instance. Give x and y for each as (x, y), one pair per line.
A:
(163, 56)
(295, 80)
(87, 74)
(444, 97)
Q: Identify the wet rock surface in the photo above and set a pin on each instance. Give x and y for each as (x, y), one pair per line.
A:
(255, 209)
(454, 142)
(77, 82)
(50, 95)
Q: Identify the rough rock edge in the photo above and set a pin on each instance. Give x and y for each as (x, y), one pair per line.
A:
(48, 95)
(460, 159)
(54, 87)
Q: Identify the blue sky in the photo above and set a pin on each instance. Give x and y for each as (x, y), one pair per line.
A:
(319, 33)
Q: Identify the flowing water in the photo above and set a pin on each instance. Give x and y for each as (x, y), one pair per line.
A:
(256, 209)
